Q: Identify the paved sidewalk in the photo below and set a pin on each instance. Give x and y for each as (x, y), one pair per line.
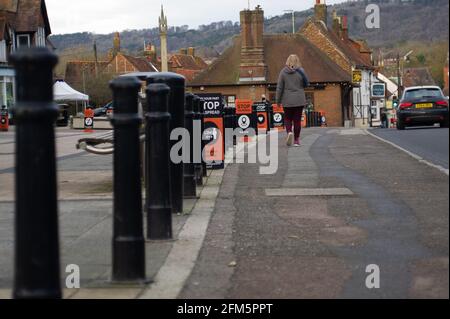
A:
(319, 245)
(85, 217)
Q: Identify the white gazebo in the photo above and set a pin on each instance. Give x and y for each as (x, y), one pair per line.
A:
(62, 92)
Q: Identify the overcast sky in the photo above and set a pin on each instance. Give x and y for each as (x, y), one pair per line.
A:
(106, 16)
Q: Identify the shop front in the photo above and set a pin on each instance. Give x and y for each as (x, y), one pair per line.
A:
(7, 92)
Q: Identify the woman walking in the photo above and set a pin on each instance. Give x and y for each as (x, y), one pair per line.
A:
(291, 95)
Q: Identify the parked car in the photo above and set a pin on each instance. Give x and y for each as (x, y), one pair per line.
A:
(104, 110)
(422, 105)
(63, 115)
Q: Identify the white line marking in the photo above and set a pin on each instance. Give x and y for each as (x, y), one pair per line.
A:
(415, 156)
(284, 192)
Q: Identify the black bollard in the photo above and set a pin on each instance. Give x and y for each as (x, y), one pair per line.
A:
(37, 269)
(158, 187)
(176, 84)
(199, 140)
(190, 184)
(128, 236)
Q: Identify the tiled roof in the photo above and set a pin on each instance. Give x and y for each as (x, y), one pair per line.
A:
(345, 45)
(417, 77)
(277, 48)
(25, 15)
(9, 5)
(141, 64)
(187, 62)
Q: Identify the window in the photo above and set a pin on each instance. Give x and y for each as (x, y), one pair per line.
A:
(40, 37)
(23, 40)
(423, 93)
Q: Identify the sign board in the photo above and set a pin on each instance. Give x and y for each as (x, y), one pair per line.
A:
(389, 105)
(245, 119)
(89, 120)
(261, 110)
(4, 120)
(278, 117)
(214, 133)
(379, 90)
(357, 76)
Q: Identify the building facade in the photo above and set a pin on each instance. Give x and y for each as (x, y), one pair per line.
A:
(23, 23)
(353, 56)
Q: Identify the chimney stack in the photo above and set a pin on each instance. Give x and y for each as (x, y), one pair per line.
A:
(344, 28)
(253, 67)
(191, 51)
(321, 12)
(336, 23)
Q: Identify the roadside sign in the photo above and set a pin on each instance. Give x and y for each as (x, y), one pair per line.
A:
(245, 118)
(379, 90)
(278, 117)
(262, 116)
(214, 133)
(89, 120)
(4, 120)
(357, 76)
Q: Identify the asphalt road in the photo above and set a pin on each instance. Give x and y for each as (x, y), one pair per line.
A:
(430, 143)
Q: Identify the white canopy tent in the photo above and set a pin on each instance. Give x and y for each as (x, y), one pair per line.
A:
(64, 93)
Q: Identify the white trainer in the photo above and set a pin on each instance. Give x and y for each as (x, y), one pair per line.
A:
(290, 139)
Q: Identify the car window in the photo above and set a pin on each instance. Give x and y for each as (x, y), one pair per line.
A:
(419, 93)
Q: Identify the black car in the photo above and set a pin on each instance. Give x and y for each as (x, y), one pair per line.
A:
(422, 105)
(104, 110)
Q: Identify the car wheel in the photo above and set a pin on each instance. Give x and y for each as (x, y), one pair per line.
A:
(444, 124)
(400, 125)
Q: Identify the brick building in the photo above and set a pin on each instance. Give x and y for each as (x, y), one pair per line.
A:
(118, 63)
(251, 66)
(187, 64)
(333, 40)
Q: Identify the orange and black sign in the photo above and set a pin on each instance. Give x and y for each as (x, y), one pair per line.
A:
(89, 120)
(214, 133)
(261, 110)
(245, 119)
(4, 120)
(278, 117)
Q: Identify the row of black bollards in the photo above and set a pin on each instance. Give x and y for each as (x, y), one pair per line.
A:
(37, 260)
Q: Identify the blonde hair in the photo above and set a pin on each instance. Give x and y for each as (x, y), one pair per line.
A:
(293, 62)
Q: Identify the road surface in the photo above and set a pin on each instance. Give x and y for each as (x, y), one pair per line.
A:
(430, 143)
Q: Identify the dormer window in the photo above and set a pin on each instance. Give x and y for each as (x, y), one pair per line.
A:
(23, 40)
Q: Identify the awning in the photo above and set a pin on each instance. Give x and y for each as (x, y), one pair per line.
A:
(63, 92)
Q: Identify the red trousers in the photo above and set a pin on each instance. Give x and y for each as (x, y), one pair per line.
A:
(293, 118)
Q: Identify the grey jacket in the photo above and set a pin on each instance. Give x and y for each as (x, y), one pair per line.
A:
(290, 90)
